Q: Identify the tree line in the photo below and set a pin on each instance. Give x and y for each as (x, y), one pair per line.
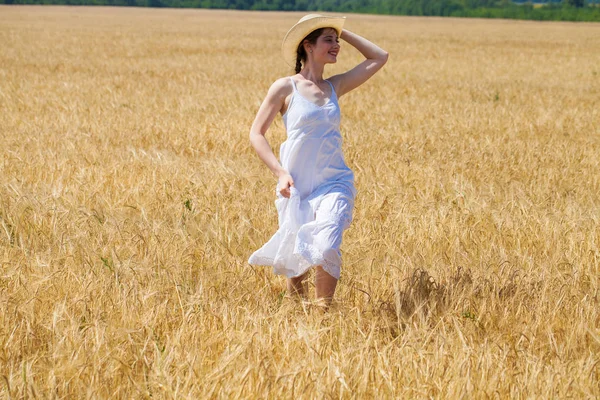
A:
(565, 10)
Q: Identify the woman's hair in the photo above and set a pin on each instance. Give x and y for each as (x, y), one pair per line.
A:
(301, 53)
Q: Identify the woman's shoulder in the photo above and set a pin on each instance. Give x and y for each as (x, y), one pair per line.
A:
(282, 87)
(284, 83)
(335, 81)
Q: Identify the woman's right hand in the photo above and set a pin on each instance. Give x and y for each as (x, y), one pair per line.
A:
(285, 183)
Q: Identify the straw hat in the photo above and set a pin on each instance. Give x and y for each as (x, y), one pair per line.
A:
(303, 27)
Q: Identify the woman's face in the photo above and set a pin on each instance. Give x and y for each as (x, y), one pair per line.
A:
(327, 47)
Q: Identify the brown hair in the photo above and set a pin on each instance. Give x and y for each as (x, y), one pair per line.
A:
(301, 53)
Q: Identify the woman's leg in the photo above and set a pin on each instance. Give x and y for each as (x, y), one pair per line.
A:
(324, 285)
(295, 286)
(333, 213)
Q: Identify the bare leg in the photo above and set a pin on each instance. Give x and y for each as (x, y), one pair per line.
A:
(324, 286)
(295, 286)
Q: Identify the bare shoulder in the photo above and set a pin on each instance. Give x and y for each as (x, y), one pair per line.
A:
(335, 81)
(280, 93)
(281, 88)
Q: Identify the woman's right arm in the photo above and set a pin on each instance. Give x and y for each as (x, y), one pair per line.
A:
(273, 103)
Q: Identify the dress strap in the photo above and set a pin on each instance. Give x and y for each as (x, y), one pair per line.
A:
(293, 84)
(332, 89)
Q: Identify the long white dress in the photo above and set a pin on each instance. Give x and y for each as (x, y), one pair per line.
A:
(312, 220)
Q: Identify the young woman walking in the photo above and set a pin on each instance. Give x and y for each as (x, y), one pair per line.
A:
(315, 190)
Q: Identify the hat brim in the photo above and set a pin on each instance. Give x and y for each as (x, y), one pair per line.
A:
(299, 31)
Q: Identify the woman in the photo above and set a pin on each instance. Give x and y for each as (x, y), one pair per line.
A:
(315, 187)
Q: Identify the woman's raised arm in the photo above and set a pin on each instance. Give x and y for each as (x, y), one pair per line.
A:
(375, 56)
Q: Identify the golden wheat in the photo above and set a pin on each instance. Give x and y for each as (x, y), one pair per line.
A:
(130, 199)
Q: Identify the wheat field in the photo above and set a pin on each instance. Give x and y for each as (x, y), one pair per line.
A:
(130, 200)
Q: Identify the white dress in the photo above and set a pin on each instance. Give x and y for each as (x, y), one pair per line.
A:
(312, 220)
